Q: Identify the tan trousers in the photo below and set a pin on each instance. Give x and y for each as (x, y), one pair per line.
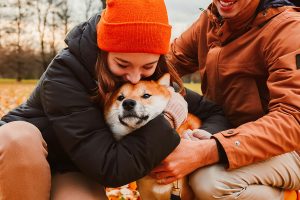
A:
(25, 172)
(261, 181)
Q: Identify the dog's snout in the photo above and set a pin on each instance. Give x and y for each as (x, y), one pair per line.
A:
(129, 104)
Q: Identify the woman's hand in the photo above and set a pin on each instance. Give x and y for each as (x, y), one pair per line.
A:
(196, 134)
(176, 110)
(187, 157)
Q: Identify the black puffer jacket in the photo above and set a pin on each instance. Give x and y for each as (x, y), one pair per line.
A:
(74, 128)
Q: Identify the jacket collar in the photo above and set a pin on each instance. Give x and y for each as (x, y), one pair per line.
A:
(228, 30)
(274, 4)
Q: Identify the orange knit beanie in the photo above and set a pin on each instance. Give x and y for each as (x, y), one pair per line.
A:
(134, 26)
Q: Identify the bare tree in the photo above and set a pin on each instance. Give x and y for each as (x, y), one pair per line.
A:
(2, 5)
(23, 56)
(64, 14)
(53, 25)
(30, 69)
(88, 7)
(23, 11)
(91, 7)
(42, 17)
(19, 19)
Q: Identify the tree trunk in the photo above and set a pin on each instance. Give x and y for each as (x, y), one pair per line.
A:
(52, 42)
(18, 46)
(88, 7)
(42, 24)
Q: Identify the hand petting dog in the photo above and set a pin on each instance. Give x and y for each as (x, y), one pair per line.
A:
(176, 110)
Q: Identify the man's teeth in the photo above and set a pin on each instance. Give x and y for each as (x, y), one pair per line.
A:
(226, 3)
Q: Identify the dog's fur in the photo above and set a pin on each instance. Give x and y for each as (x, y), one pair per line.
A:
(130, 108)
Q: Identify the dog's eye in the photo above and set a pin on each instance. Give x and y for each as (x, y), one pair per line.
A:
(120, 98)
(146, 96)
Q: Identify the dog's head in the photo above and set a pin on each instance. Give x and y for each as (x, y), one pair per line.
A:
(132, 106)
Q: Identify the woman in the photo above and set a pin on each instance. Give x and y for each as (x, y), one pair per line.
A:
(129, 43)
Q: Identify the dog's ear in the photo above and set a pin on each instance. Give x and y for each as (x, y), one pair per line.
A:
(164, 80)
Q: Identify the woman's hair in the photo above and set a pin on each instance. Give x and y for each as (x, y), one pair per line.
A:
(108, 82)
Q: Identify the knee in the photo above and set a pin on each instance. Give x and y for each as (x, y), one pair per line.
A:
(204, 183)
(19, 134)
(21, 141)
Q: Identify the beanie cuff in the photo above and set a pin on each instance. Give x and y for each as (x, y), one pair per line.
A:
(134, 37)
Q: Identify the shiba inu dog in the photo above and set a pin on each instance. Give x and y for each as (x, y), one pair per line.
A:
(130, 108)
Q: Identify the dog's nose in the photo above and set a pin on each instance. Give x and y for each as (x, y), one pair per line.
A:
(128, 104)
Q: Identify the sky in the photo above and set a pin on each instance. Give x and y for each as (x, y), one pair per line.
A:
(182, 13)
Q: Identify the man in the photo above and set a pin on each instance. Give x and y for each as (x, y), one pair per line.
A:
(248, 55)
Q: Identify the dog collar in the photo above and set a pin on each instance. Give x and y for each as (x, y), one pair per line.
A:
(176, 191)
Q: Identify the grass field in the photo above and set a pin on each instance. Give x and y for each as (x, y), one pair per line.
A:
(13, 93)
(13, 81)
(194, 86)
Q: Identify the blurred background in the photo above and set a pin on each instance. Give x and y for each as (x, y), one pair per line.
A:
(33, 31)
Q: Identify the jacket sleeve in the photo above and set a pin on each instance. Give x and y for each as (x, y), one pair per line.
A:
(183, 54)
(278, 131)
(211, 115)
(81, 130)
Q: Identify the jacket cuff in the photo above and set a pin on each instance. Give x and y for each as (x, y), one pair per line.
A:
(227, 148)
(222, 155)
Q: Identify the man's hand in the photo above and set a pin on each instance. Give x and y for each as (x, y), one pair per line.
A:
(187, 157)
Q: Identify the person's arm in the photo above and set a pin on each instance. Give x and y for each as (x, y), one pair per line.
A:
(81, 130)
(278, 131)
(183, 54)
(212, 117)
(190, 155)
